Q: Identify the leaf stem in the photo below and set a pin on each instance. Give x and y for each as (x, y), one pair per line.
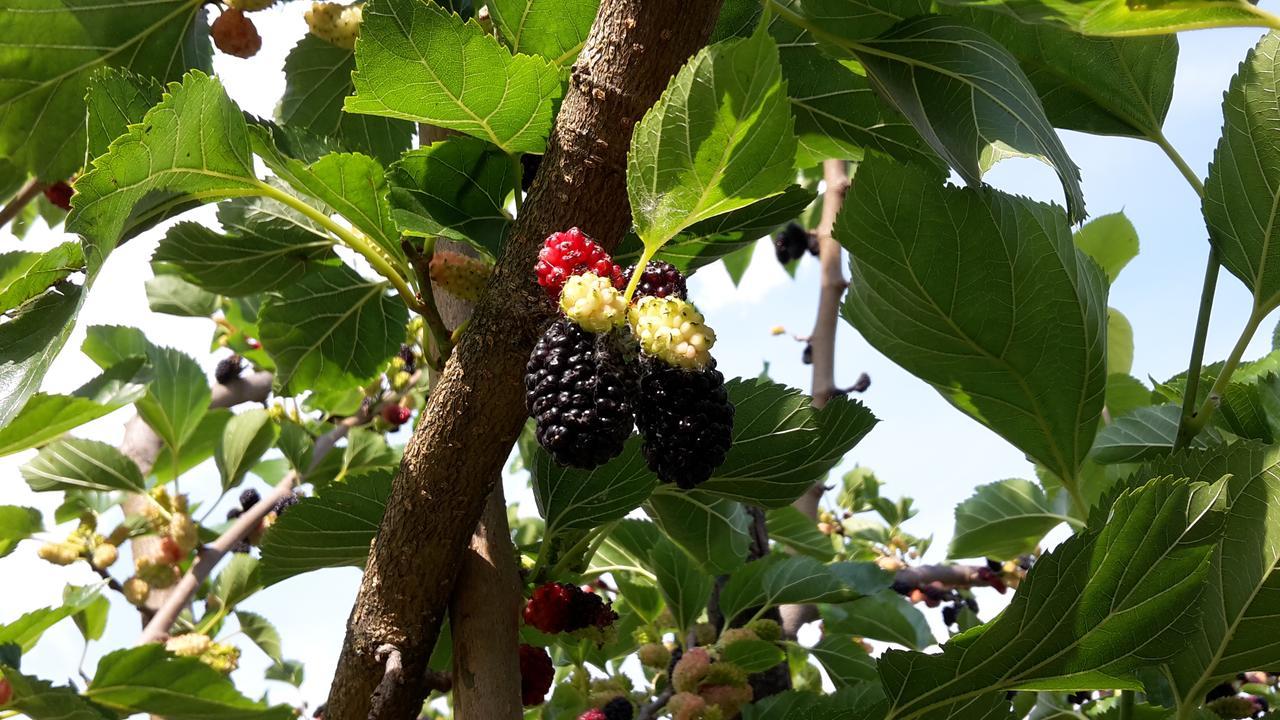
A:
(1197, 422)
(645, 256)
(361, 245)
(1157, 137)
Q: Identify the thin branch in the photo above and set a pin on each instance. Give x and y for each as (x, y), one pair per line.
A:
(26, 194)
(430, 311)
(651, 710)
(111, 582)
(390, 678)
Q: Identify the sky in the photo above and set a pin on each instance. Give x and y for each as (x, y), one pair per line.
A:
(922, 448)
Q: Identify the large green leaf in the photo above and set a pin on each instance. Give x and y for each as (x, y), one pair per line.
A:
(75, 463)
(714, 531)
(1102, 604)
(457, 188)
(415, 61)
(1107, 86)
(197, 448)
(798, 532)
(17, 524)
(844, 659)
(984, 296)
(719, 139)
(781, 579)
(45, 417)
(573, 499)
(29, 342)
(317, 76)
(24, 275)
(332, 529)
(1006, 519)
(40, 700)
(1240, 619)
(147, 679)
(244, 439)
(332, 329)
(1125, 17)
(684, 585)
(781, 444)
(117, 99)
(26, 631)
(885, 616)
(262, 633)
(1243, 190)
(554, 29)
(177, 398)
(236, 582)
(52, 48)
(1145, 433)
(964, 93)
(170, 294)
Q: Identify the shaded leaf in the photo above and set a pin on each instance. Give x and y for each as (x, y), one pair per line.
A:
(75, 463)
(1005, 519)
(712, 530)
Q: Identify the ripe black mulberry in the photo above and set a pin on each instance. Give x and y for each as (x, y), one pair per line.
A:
(686, 418)
(660, 279)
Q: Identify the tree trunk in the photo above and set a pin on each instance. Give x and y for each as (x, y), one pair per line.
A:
(454, 459)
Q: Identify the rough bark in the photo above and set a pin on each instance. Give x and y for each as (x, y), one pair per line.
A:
(823, 341)
(456, 454)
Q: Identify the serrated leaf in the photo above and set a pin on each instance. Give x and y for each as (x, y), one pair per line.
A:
(462, 78)
(456, 188)
(117, 99)
(147, 679)
(714, 531)
(554, 29)
(784, 580)
(753, 655)
(317, 76)
(574, 499)
(684, 585)
(797, 531)
(885, 616)
(1103, 603)
(1111, 240)
(1145, 433)
(1006, 519)
(90, 616)
(366, 451)
(861, 701)
(16, 524)
(627, 547)
(720, 138)
(1125, 394)
(236, 581)
(29, 342)
(845, 660)
(26, 631)
(1122, 17)
(965, 94)
(332, 529)
(172, 295)
(42, 103)
(75, 463)
(45, 417)
(244, 439)
(262, 633)
(1026, 358)
(40, 700)
(177, 398)
(333, 328)
(25, 275)
(199, 446)
(1244, 179)
(109, 345)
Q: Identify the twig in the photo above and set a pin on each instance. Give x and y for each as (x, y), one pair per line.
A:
(26, 194)
(421, 262)
(390, 677)
(651, 710)
(111, 582)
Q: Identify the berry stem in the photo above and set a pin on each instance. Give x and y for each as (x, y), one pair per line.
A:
(430, 312)
(367, 249)
(645, 256)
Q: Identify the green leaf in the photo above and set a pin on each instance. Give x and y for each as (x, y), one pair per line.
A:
(17, 524)
(262, 250)
(885, 616)
(794, 529)
(366, 452)
(177, 398)
(753, 655)
(456, 188)
(333, 328)
(24, 275)
(262, 633)
(42, 103)
(1243, 188)
(45, 417)
(236, 581)
(40, 700)
(844, 659)
(1119, 343)
(317, 76)
(781, 444)
(463, 79)
(1107, 86)
(193, 146)
(198, 447)
(332, 529)
(117, 99)
(78, 463)
(1023, 350)
(173, 295)
(1122, 17)
(1102, 604)
(861, 701)
(246, 437)
(1111, 240)
(966, 95)
(719, 139)
(29, 342)
(289, 671)
(1005, 519)
(573, 499)
(784, 580)
(684, 585)
(147, 679)
(92, 609)
(108, 345)
(26, 631)
(1125, 394)
(1241, 605)
(714, 531)
(554, 29)
(838, 113)
(1145, 433)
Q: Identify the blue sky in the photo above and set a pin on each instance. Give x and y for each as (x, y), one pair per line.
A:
(923, 447)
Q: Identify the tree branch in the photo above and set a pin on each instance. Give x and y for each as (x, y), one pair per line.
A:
(455, 457)
(650, 711)
(28, 192)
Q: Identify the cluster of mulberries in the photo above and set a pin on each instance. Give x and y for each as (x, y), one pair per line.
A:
(248, 498)
(704, 686)
(609, 364)
(561, 607)
(792, 242)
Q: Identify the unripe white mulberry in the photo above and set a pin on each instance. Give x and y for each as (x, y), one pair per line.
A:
(673, 331)
(136, 590)
(104, 556)
(60, 553)
(188, 644)
(593, 303)
(335, 23)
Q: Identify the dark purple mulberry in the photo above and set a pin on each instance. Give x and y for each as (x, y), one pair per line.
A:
(687, 422)
(660, 279)
(228, 369)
